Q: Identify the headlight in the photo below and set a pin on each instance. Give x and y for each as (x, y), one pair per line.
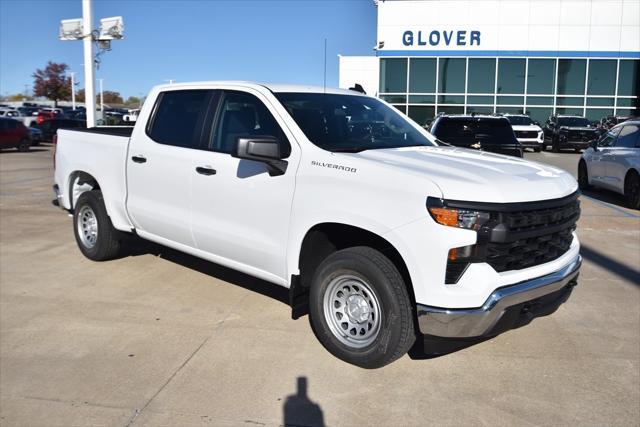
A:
(456, 217)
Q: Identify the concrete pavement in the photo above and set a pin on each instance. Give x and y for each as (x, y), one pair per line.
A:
(162, 338)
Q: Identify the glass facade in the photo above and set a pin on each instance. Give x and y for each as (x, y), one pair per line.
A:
(425, 87)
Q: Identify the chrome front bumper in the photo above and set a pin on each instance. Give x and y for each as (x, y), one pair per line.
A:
(481, 321)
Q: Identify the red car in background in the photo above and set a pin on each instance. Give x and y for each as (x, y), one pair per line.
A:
(48, 114)
(13, 134)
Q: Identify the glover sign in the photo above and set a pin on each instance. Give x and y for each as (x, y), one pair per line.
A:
(441, 38)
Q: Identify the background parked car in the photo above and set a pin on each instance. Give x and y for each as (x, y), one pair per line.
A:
(574, 132)
(487, 133)
(528, 132)
(14, 134)
(49, 113)
(613, 162)
(36, 135)
(9, 112)
(50, 127)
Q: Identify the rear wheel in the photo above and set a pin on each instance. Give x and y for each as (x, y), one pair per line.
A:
(555, 147)
(537, 149)
(632, 190)
(583, 176)
(360, 309)
(24, 145)
(95, 235)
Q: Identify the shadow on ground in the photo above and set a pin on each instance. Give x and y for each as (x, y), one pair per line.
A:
(613, 266)
(298, 410)
(610, 197)
(142, 247)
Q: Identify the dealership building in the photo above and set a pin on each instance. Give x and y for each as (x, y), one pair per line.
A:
(537, 57)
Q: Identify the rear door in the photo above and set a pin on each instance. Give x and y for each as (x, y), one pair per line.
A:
(597, 165)
(619, 155)
(240, 212)
(160, 165)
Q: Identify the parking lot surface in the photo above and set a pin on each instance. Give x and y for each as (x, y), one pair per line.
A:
(162, 338)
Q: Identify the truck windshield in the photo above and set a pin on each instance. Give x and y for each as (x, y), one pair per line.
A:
(350, 123)
(519, 120)
(573, 121)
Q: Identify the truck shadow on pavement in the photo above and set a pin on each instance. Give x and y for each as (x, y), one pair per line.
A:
(141, 247)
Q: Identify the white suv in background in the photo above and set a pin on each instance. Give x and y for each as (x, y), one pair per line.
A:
(528, 132)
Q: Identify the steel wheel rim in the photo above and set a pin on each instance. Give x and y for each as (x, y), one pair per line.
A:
(87, 227)
(352, 311)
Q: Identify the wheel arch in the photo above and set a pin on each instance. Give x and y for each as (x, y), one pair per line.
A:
(323, 239)
(79, 182)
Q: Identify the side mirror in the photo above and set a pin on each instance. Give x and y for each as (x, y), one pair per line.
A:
(265, 149)
(536, 123)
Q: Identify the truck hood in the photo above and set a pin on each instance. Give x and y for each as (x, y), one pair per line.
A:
(470, 175)
(535, 128)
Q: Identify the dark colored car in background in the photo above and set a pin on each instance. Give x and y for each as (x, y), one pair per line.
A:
(50, 127)
(13, 134)
(486, 133)
(568, 132)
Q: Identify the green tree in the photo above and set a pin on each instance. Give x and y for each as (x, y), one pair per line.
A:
(52, 82)
(133, 101)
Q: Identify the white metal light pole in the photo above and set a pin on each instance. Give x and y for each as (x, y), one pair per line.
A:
(101, 98)
(73, 91)
(89, 79)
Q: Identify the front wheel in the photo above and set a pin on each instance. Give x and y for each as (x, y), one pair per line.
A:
(360, 309)
(95, 235)
(632, 190)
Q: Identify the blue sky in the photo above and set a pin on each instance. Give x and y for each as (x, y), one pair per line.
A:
(271, 41)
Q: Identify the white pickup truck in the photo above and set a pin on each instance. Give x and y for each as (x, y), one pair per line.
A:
(381, 232)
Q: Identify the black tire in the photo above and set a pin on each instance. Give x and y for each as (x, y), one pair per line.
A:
(24, 145)
(106, 242)
(632, 190)
(583, 176)
(395, 330)
(555, 147)
(537, 149)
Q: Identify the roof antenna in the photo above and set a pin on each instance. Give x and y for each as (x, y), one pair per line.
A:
(324, 85)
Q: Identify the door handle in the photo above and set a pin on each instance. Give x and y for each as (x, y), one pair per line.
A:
(205, 170)
(139, 159)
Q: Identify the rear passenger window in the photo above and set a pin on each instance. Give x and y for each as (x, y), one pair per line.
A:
(628, 137)
(179, 117)
(244, 115)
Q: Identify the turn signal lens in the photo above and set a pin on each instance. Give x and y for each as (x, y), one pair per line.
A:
(445, 216)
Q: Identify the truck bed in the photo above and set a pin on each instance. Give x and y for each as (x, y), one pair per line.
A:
(108, 130)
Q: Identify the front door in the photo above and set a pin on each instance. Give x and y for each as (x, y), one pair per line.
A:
(240, 211)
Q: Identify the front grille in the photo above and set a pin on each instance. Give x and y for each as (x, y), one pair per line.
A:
(529, 252)
(581, 135)
(518, 235)
(532, 237)
(526, 134)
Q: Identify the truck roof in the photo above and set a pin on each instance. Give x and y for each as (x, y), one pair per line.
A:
(273, 87)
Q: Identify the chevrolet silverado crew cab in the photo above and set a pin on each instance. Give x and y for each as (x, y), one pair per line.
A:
(380, 233)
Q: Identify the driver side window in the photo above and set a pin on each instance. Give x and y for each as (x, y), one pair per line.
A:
(608, 138)
(243, 115)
